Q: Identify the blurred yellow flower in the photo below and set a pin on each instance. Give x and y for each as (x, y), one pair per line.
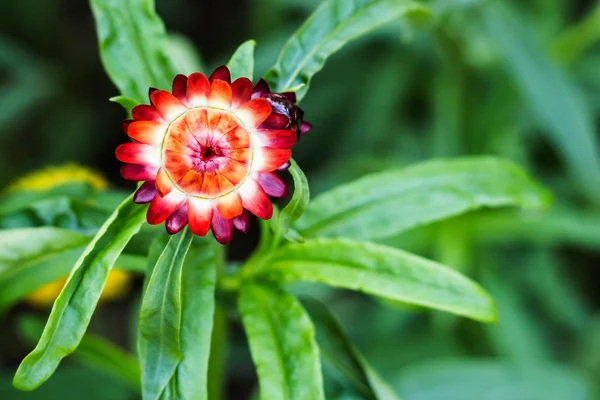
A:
(119, 281)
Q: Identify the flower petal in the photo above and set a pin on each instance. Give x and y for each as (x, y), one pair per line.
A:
(200, 215)
(180, 87)
(261, 88)
(291, 96)
(267, 159)
(198, 87)
(230, 205)
(167, 105)
(178, 220)
(145, 193)
(220, 94)
(162, 207)
(254, 112)
(275, 121)
(221, 73)
(144, 112)
(305, 127)
(277, 139)
(164, 185)
(150, 132)
(272, 184)
(255, 200)
(138, 153)
(136, 172)
(242, 222)
(125, 125)
(222, 228)
(241, 89)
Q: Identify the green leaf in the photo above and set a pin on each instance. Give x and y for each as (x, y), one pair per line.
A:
(26, 199)
(554, 101)
(160, 317)
(126, 102)
(476, 379)
(184, 55)
(74, 306)
(343, 357)
(94, 351)
(297, 205)
(282, 344)
(241, 63)
(133, 46)
(331, 26)
(381, 271)
(576, 40)
(385, 204)
(197, 316)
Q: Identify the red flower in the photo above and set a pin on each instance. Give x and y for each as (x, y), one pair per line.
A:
(208, 152)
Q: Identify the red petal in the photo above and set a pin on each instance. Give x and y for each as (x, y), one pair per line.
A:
(125, 125)
(242, 222)
(144, 112)
(222, 228)
(305, 127)
(254, 112)
(164, 185)
(145, 193)
(262, 87)
(272, 184)
(230, 205)
(200, 214)
(162, 207)
(221, 73)
(268, 159)
(150, 132)
(241, 89)
(197, 89)
(255, 200)
(136, 172)
(138, 153)
(220, 94)
(278, 139)
(275, 121)
(180, 87)
(291, 96)
(167, 105)
(178, 220)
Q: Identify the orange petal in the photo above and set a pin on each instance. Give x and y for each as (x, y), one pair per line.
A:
(167, 105)
(230, 205)
(162, 207)
(235, 171)
(255, 200)
(237, 138)
(191, 182)
(254, 112)
(210, 184)
(197, 89)
(150, 132)
(199, 214)
(220, 94)
(267, 159)
(138, 153)
(164, 185)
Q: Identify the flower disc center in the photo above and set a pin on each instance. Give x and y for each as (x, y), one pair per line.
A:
(207, 152)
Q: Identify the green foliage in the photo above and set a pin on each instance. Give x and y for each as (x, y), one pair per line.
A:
(241, 63)
(282, 343)
(333, 24)
(133, 46)
(297, 205)
(385, 204)
(76, 303)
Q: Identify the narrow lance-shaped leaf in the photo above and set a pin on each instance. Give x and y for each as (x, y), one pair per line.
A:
(381, 271)
(241, 63)
(160, 317)
(133, 46)
(385, 204)
(331, 26)
(282, 344)
(342, 356)
(297, 205)
(197, 315)
(74, 306)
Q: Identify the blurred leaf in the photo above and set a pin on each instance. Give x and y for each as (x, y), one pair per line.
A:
(94, 351)
(331, 26)
(76, 303)
(160, 317)
(574, 41)
(23, 199)
(381, 271)
(476, 379)
(241, 63)
(337, 351)
(282, 344)
(388, 203)
(297, 204)
(184, 55)
(126, 102)
(197, 313)
(554, 100)
(133, 46)
(217, 373)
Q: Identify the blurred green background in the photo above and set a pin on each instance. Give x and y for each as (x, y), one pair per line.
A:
(518, 79)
